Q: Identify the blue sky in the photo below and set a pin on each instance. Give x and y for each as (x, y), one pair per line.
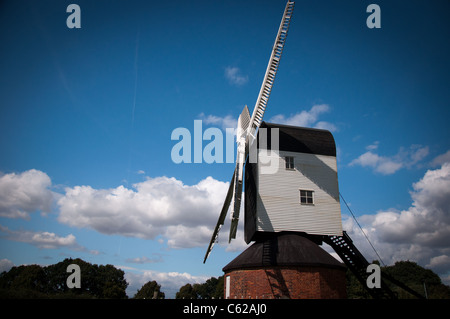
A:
(86, 117)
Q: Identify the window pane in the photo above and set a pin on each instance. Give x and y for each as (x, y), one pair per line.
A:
(306, 197)
(289, 162)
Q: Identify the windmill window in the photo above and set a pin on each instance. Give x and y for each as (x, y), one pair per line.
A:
(306, 197)
(289, 162)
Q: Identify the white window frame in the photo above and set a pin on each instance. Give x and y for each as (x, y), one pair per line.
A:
(289, 162)
(306, 196)
(227, 287)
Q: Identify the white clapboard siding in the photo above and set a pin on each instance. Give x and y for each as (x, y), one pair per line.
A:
(278, 199)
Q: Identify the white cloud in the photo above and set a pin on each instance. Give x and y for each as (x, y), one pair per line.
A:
(420, 233)
(237, 244)
(170, 281)
(380, 164)
(306, 118)
(45, 240)
(373, 146)
(145, 260)
(224, 122)
(25, 193)
(185, 215)
(440, 263)
(387, 165)
(5, 265)
(235, 76)
(441, 159)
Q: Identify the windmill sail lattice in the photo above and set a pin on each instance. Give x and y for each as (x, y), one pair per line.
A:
(247, 128)
(272, 67)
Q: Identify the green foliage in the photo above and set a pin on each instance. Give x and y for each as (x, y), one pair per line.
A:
(418, 279)
(212, 288)
(151, 290)
(410, 274)
(35, 281)
(186, 292)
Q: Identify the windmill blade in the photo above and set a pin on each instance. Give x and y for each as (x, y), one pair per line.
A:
(243, 123)
(222, 216)
(237, 195)
(271, 71)
(247, 128)
(245, 140)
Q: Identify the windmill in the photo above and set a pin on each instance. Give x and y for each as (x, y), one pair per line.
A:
(290, 212)
(247, 128)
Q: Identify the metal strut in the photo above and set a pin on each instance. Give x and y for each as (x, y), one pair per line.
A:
(355, 261)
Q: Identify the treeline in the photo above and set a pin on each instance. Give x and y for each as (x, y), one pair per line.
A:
(96, 282)
(34, 281)
(422, 280)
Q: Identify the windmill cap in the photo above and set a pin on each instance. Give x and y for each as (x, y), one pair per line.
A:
(302, 139)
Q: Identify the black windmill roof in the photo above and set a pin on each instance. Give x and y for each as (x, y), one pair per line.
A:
(302, 139)
(283, 249)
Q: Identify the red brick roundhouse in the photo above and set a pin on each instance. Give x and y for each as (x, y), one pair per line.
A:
(285, 266)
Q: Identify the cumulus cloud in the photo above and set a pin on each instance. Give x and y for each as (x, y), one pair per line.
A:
(420, 233)
(387, 165)
(170, 281)
(184, 215)
(307, 118)
(441, 159)
(25, 193)
(181, 215)
(145, 260)
(5, 265)
(44, 240)
(235, 76)
(224, 122)
(380, 164)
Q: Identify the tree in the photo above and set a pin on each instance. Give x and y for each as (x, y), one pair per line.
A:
(23, 282)
(186, 292)
(150, 290)
(112, 282)
(35, 281)
(407, 272)
(418, 279)
(212, 288)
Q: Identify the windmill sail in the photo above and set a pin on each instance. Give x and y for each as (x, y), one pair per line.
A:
(243, 123)
(247, 127)
(222, 216)
(272, 68)
(260, 108)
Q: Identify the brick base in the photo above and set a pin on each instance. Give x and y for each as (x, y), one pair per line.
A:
(286, 282)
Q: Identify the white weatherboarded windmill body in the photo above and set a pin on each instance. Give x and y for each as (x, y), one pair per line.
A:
(303, 194)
